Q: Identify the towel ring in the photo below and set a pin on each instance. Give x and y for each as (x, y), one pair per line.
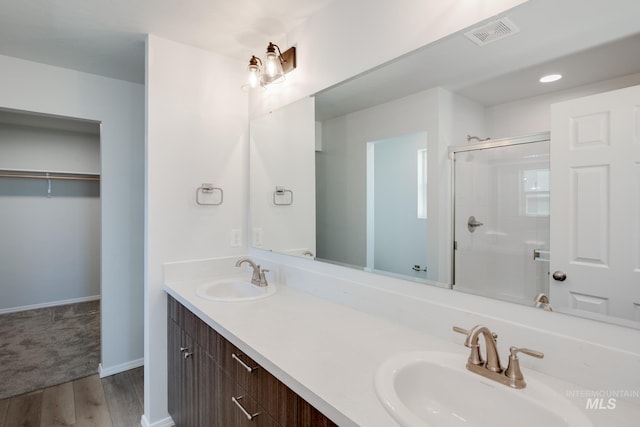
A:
(281, 191)
(208, 189)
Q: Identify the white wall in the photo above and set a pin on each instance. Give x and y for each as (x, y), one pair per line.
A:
(118, 105)
(33, 269)
(196, 133)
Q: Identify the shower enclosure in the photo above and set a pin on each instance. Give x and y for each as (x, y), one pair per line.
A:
(501, 218)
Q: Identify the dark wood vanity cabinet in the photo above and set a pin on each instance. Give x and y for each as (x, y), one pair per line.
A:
(212, 383)
(191, 369)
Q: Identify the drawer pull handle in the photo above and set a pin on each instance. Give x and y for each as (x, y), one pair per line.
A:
(244, 365)
(183, 349)
(187, 355)
(237, 400)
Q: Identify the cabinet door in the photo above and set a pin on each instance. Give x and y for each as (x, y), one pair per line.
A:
(206, 379)
(181, 377)
(174, 367)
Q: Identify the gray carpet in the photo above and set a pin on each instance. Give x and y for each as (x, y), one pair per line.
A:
(48, 346)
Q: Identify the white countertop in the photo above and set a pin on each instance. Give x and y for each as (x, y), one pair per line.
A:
(325, 352)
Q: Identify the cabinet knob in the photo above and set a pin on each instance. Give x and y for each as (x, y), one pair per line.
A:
(188, 355)
(183, 349)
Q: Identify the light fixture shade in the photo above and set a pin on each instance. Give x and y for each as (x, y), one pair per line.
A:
(253, 76)
(273, 72)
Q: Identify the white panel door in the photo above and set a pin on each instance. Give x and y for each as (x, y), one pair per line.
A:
(595, 205)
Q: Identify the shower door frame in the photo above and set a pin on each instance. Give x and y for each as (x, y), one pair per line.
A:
(502, 142)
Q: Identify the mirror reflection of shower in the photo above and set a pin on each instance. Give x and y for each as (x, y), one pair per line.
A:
(501, 218)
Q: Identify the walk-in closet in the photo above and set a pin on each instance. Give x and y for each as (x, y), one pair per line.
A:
(49, 251)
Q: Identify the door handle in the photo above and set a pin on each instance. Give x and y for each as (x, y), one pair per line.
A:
(559, 276)
(473, 223)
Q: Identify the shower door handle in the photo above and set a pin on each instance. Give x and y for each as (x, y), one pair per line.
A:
(473, 223)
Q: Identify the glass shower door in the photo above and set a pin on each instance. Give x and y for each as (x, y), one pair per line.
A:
(501, 221)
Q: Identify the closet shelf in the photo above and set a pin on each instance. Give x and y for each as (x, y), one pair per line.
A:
(72, 176)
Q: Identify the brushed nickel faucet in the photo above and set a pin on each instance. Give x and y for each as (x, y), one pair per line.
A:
(491, 368)
(258, 277)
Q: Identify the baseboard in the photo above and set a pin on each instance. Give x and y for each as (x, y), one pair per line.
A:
(167, 422)
(49, 304)
(112, 370)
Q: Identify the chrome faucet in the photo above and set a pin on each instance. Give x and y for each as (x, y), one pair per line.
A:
(258, 277)
(491, 368)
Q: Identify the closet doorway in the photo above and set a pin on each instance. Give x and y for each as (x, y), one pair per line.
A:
(50, 251)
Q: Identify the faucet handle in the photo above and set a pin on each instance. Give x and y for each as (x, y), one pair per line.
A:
(263, 278)
(513, 369)
(513, 352)
(459, 330)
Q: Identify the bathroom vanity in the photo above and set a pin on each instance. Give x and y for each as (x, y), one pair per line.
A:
(315, 359)
(310, 353)
(213, 383)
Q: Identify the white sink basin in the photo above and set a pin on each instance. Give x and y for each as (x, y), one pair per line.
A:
(428, 388)
(234, 290)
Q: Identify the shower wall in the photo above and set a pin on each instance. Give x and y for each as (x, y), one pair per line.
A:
(506, 189)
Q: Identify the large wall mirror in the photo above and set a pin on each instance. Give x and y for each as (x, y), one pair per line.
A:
(449, 165)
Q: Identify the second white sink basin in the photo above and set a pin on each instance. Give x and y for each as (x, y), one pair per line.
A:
(234, 290)
(428, 388)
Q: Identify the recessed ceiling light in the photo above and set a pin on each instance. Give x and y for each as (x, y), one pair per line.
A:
(550, 78)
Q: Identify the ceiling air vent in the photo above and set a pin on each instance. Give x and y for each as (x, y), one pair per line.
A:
(492, 31)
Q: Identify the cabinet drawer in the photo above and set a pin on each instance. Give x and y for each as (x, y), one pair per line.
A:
(237, 408)
(275, 397)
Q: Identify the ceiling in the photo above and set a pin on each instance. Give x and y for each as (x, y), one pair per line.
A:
(106, 37)
(585, 40)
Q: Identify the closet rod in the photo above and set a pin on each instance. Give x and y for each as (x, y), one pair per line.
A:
(73, 178)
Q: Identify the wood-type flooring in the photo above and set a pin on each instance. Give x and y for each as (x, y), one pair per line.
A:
(115, 401)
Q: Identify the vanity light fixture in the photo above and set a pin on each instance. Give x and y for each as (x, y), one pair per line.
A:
(550, 78)
(276, 64)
